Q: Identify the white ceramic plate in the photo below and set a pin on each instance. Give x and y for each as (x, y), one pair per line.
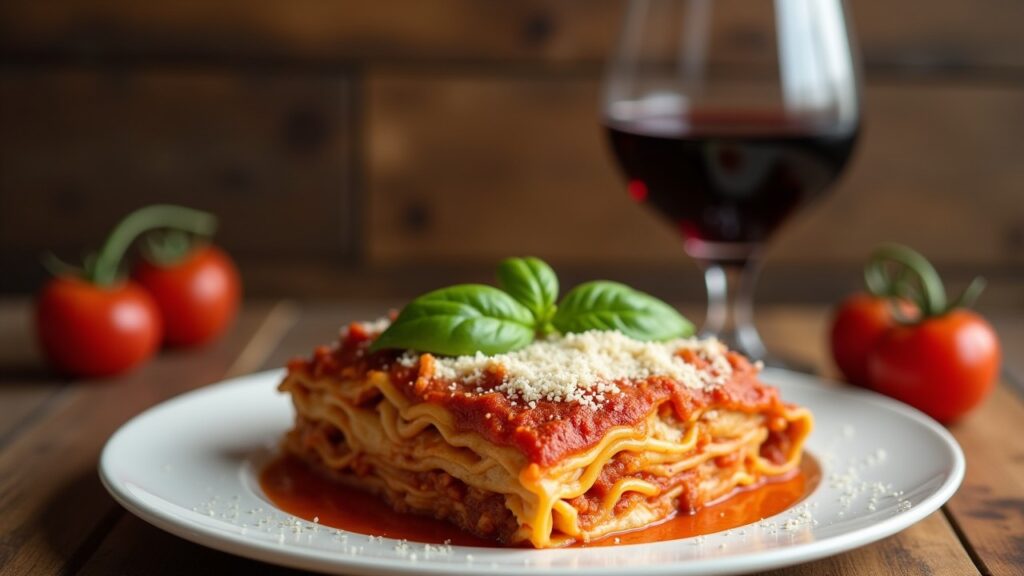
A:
(190, 467)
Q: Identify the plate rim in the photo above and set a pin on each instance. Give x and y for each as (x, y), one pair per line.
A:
(329, 562)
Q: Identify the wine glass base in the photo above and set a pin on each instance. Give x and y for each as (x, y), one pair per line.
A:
(788, 363)
(748, 342)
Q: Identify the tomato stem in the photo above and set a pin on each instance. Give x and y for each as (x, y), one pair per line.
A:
(930, 293)
(877, 281)
(58, 267)
(969, 296)
(104, 269)
(896, 271)
(168, 248)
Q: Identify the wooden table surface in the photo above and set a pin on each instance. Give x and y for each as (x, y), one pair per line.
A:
(56, 518)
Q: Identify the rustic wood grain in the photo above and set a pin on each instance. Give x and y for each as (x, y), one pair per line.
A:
(319, 322)
(250, 109)
(269, 154)
(519, 165)
(1010, 327)
(781, 283)
(52, 507)
(917, 33)
(989, 507)
(135, 547)
(27, 390)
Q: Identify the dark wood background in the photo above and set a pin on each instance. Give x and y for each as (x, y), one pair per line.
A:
(381, 148)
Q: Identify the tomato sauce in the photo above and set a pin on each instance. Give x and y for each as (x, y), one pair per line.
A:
(298, 490)
(550, 431)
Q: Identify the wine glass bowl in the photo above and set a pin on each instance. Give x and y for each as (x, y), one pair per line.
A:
(727, 142)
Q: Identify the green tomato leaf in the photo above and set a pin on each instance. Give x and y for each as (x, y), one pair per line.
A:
(460, 320)
(533, 283)
(603, 305)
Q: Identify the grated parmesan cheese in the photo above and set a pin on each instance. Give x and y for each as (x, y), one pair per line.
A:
(584, 367)
(376, 326)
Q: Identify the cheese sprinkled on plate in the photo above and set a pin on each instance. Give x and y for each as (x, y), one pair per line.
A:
(584, 367)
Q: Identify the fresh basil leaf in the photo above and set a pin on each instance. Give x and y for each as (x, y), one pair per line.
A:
(603, 305)
(459, 320)
(533, 283)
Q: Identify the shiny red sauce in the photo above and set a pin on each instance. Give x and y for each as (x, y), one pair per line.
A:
(551, 431)
(298, 490)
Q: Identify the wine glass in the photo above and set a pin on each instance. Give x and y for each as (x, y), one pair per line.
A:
(726, 116)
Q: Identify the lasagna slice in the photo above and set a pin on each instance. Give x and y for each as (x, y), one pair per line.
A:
(569, 439)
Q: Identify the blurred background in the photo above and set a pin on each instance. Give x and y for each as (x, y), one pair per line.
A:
(358, 149)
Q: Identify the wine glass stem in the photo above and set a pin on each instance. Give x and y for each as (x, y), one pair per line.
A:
(730, 315)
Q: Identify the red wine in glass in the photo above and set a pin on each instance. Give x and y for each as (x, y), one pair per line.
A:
(728, 179)
(728, 139)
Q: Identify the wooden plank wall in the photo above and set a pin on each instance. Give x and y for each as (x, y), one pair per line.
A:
(345, 139)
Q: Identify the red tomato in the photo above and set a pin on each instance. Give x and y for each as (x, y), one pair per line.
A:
(943, 366)
(858, 324)
(89, 330)
(198, 296)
